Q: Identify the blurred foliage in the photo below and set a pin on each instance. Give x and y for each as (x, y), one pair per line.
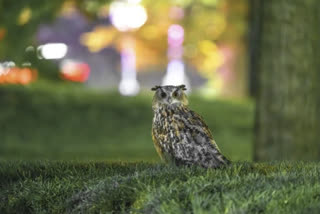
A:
(207, 24)
(100, 187)
(19, 21)
(67, 122)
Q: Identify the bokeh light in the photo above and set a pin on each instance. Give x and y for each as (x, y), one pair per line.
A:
(74, 71)
(129, 85)
(175, 74)
(99, 38)
(24, 16)
(53, 50)
(127, 15)
(11, 74)
(175, 35)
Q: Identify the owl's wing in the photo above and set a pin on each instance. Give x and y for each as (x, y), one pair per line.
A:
(157, 139)
(198, 120)
(197, 141)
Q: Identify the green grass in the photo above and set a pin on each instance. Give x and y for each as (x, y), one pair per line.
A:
(45, 121)
(102, 187)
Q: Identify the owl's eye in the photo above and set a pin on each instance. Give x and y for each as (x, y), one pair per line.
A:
(175, 94)
(163, 94)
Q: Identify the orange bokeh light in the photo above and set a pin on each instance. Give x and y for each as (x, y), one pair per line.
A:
(17, 75)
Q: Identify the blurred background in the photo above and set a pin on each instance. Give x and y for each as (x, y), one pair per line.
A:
(75, 76)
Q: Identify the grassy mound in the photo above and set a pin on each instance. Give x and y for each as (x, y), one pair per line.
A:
(53, 122)
(101, 187)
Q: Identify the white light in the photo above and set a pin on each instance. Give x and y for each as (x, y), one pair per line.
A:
(2, 70)
(53, 50)
(134, 1)
(9, 64)
(5, 67)
(175, 74)
(127, 16)
(129, 87)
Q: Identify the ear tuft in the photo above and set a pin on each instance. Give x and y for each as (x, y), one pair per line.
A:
(155, 88)
(182, 87)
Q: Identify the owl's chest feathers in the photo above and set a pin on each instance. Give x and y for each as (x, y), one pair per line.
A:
(167, 123)
(165, 118)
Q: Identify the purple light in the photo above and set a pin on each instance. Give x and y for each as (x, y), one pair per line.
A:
(128, 62)
(175, 35)
(175, 52)
(129, 86)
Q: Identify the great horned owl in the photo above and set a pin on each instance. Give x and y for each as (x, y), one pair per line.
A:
(179, 134)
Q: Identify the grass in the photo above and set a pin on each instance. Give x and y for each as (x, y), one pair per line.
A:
(102, 187)
(51, 122)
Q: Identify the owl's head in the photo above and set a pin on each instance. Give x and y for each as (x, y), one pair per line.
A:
(169, 95)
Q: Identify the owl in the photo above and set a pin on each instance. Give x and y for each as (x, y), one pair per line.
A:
(180, 135)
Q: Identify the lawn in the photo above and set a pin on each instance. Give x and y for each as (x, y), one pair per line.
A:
(53, 122)
(103, 187)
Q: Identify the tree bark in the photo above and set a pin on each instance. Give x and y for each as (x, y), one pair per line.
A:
(255, 26)
(287, 112)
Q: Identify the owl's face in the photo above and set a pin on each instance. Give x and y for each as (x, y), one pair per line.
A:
(169, 95)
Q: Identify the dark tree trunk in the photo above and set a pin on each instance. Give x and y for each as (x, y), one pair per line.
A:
(287, 116)
(255, 25)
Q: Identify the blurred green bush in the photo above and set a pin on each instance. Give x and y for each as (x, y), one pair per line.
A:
(69, 122)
